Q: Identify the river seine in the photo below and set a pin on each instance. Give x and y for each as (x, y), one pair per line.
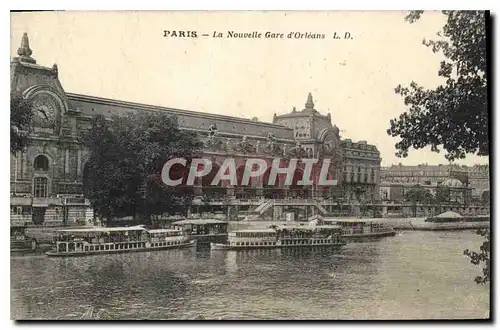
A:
(414, 275)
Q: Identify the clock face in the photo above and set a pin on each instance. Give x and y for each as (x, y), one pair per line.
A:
(44, 112)
(329, 144)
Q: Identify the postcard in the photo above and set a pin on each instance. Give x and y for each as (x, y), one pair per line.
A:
(249, 165)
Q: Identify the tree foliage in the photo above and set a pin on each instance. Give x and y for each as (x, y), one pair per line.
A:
(453, 116)
(419, 194)
(21, 116)
(442, 194)
(481, 257)
(122, 176)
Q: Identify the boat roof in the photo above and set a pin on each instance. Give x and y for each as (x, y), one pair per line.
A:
(265, 230)
(449, 214)
(100, 229)
(328, 227)
(352, 220)
(198, 222)
(307, 227)
(167, 230)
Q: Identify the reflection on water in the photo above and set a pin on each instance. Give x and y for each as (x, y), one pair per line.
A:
(412, 275)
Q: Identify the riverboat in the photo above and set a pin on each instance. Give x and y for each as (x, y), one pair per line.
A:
(363, 228)
(282, 237)
(19, 242)
(205, 231)
(102, 240)
(454, 221)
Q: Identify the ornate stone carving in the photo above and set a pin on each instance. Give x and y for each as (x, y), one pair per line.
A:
(212, 130)
(55, 70)
(66, 131)
(272, 147)
(24, 51)
(245, 147)
(212, 143)
(298, 151)
(271, 137)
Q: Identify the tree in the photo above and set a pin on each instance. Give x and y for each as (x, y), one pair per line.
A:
(442, 194)
(454, 115)
(418, 194)
(481, 257)
(21, 116)
(126, 157)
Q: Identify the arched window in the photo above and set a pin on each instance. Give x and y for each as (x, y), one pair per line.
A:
(41, 163)
(40, 187)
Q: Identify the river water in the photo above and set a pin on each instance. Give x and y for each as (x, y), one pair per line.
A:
(414, 275)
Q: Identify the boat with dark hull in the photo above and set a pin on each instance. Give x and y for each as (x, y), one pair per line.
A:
(362, 229)
(283, 237)
(104, 240)
(204, 231)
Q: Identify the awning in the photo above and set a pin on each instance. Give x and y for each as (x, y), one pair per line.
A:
(40, 205)
(20, 201)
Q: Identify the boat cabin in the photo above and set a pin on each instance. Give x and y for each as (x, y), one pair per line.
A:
(164, 234)
(360, 226)
(197, 227)
(251, 237)
(70, 240)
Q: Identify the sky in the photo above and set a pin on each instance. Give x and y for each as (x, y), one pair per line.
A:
(125, 56)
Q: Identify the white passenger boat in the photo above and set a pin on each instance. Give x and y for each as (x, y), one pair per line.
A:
(282, 237)
(362, 228)
(101, 240)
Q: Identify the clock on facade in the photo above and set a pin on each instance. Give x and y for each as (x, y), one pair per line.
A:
(45, 112)
(329, 144)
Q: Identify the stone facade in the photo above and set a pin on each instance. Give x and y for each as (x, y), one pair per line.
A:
(479, 180)
(49, 174)
(361, 172)
(475, 177)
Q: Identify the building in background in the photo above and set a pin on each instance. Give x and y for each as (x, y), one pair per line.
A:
(46, 180)
(361, 171)
(479, 180)
(466, 183)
